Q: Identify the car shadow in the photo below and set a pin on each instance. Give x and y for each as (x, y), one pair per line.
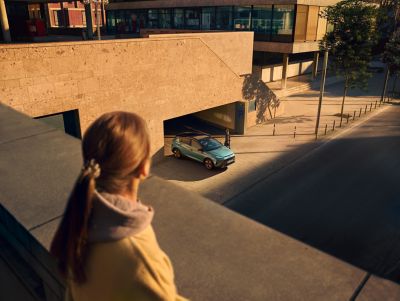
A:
(184, 169)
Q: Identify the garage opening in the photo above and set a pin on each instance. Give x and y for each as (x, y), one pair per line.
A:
(212, 122)
(67, 121)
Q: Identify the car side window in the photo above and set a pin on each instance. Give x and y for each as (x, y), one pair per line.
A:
(184, 140)
(195, 144)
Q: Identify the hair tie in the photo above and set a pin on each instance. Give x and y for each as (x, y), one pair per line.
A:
(92, 168)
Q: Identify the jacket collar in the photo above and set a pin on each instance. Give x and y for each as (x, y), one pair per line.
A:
(115, 217)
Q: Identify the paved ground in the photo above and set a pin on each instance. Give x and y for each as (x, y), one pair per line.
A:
(259, 153)
(344, 198)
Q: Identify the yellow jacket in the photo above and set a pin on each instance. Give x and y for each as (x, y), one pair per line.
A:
(127, 269)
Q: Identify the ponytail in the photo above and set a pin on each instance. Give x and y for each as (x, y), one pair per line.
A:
(69, 244)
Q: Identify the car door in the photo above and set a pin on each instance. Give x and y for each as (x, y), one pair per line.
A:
(185, 147)
(196, 150)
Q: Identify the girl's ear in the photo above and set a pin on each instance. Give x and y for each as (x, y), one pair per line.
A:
(145, 170)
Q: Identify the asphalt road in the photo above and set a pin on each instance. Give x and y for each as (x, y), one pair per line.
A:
(342, 198)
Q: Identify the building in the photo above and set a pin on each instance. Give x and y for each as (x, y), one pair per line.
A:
(283, 30)
(36, 21)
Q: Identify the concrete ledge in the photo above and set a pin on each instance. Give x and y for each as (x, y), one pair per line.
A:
(217, 254)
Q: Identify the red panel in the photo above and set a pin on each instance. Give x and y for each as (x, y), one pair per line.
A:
(68, 4)
(54, 5)
(75, 17)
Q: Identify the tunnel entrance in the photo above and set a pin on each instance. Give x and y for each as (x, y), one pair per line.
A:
(67, 121)
(212, 122)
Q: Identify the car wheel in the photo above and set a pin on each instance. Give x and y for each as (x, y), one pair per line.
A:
(208, 164)
(177, 153)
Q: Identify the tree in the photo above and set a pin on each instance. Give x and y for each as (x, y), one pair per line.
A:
(391, 56)
(388, 15)
(350, 42)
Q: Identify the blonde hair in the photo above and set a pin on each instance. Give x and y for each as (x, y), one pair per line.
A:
(115, 148)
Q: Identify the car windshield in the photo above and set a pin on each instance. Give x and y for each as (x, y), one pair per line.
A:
(209, 144)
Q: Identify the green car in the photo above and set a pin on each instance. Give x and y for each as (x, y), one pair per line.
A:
(202, 148)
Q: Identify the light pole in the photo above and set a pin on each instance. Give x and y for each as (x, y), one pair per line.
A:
(321, 90)
(97, 4)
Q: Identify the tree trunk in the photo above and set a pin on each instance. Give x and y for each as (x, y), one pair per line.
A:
(346, 86)
(394, 86)
(385, 84)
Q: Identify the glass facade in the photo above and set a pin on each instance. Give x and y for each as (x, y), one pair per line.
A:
(224, 18)
(282, 23)
(208, 18)
(164, 18)
(242, 18)
(152, 18)
(179, 18)
(269, 22)
(261, 19)
(192, 18)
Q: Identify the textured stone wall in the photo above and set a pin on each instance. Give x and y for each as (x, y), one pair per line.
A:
(234, 48)
(159, 79)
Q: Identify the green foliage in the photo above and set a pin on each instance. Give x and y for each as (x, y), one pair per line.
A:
(391, 56)
(386, 22)
(351, 40)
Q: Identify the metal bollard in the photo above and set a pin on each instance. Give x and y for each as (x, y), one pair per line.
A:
(273, 131)
(333, 127)
(370, 107)
(294, 133)
(354, 115)
(359, 115)
(347, 118)
(326, 128)
(365, 111)
(375, 104)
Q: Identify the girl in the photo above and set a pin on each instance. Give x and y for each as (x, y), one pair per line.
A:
(105, 245)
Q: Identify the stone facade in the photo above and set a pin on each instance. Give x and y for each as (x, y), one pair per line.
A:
(157, 78)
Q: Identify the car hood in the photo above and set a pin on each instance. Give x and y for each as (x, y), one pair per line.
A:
(220, 152)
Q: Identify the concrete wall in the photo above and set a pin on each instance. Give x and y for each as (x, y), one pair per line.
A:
(222, 116)
(157, 78)
(226, 45)
(296, 47)
(274, 73)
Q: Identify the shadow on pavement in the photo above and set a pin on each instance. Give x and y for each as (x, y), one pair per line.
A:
(344, 200)
(184, 169)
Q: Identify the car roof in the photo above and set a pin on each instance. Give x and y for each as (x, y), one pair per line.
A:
(193, 135)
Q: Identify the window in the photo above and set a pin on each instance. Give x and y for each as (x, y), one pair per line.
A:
(261, 22)
(195, 144)
(122, 26)
(84, 18)
(252, 106)
(164, 18)
(224, 18)
(282, 23)
(192, 18)
(179, 18)
(58, 18)
(208, 18)
(152, 18)
(242, 18)
(184, 140)
(34, 11)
